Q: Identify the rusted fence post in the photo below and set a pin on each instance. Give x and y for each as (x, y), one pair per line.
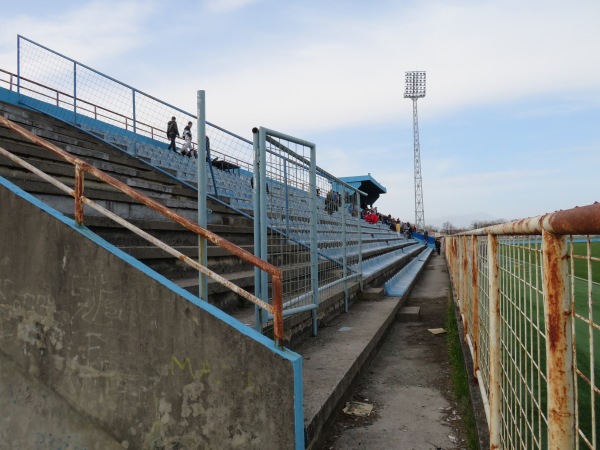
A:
(464, 278)
(475, 300)
(559, 357)
(495, 374)
(78, 194)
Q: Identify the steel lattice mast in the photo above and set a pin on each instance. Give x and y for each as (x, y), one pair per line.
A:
(415, 89)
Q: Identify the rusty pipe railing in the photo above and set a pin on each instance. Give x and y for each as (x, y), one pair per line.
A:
(508, 301)
(82, 167)
(579, 220)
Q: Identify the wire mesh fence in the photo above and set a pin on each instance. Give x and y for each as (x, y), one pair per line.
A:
(131, 119)
(542, 331)
(310, 223)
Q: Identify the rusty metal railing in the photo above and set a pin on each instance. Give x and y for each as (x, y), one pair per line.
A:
(528, 294)
(82, 167)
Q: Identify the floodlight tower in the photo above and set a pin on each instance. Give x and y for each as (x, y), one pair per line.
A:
(415, 89)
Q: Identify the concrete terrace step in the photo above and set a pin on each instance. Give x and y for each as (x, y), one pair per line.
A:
(333, 360)
(243, 279)
(409, 314)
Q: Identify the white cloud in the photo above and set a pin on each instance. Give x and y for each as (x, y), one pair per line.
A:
(227, 5)
(327, 74)
(92, 32)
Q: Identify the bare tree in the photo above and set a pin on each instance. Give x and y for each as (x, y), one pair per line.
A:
(476, 224)
(447, 228)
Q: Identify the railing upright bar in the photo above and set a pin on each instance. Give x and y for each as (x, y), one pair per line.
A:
(345, 249)
(201, 180)
(78, 195)
(592, 344)
(314, 244)
(258, 320)
(74, 93)
(464, 303)
(19, 66)
(358, 220)
(559, 357)
(475, 299)
(278, 306)
(263, 209)
(495, 393)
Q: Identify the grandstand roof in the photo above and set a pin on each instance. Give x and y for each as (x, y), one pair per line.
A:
(368, 184)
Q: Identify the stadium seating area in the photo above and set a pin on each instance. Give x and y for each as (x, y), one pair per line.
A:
(382, 252)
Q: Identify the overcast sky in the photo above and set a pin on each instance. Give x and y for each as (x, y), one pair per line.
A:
(509, 128)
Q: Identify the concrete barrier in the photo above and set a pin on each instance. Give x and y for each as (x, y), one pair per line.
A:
(141, 358)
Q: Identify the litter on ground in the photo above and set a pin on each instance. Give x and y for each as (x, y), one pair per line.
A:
(358, 409)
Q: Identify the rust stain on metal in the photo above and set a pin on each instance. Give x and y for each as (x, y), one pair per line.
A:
(556, 323)
(559, 357)
(278, 307)
(475, 284)
(578, 220)
(78, 194)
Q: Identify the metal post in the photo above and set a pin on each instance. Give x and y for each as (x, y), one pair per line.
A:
(359, 240)
(475, 307)
(464, 310)
(559, 339)
(201, 180)
(262, 193)
(78, 195)
(19, 66)
(256, 204)
(74, 93)
(461, 275)
(133, 112)
(495, 374)
(314, 245)
(287, 199)
(345, 241)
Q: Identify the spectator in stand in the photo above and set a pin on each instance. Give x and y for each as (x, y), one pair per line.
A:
(337, 200)
(172, 133)
(398, 227)
(329, 202)
(186, 150)
(372, 218)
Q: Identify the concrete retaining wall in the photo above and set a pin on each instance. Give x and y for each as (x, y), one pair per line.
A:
(142, 359)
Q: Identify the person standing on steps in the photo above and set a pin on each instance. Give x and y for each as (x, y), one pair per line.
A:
(186, 150)
(172, 133)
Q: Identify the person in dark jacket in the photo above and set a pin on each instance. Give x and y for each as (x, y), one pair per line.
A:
(172, 133)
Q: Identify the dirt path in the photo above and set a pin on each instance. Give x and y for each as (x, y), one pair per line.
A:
(408, 382)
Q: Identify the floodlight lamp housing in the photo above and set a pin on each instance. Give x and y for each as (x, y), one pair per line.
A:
(415, 84)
